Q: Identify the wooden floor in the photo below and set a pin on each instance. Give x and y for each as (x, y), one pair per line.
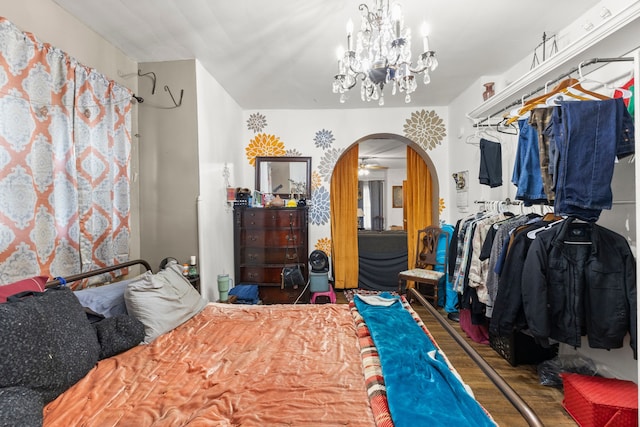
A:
(545, 401)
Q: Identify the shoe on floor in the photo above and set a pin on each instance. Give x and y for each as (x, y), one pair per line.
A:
(455, 317)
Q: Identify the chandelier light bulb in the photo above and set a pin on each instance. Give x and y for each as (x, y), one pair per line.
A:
(424, 32)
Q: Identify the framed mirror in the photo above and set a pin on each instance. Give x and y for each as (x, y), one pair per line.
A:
(284, 176)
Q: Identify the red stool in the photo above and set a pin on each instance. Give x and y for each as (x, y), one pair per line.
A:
(330, 293)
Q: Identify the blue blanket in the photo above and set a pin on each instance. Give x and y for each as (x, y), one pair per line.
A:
(421, 389)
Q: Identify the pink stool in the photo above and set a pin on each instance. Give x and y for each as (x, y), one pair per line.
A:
(330, 293)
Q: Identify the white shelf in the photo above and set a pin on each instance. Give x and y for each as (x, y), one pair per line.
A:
(617, 36)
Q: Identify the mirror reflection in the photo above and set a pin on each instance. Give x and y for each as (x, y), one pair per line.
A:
(283, 175)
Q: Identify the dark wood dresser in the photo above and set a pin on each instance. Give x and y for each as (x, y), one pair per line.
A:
(261, 237)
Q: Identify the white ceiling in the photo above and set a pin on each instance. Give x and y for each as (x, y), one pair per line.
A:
(281, 54)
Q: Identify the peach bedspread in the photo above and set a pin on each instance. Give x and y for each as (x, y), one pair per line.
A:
(230, 365)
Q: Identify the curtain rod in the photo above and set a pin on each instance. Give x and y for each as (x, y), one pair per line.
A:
(560, 77)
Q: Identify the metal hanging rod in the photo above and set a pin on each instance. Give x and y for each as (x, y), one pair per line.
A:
(506, 201)
(557, 79)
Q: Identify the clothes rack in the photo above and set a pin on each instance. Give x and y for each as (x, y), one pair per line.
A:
(562, 76)
(506, 201)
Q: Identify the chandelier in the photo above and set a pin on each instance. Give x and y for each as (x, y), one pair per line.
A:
(382, 55)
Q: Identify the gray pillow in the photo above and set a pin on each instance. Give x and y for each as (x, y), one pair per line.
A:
(162, 301)
(107, 300)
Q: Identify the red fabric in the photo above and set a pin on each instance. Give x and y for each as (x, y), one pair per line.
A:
(478, 333)
(600, 402)
(35, 283)
(619, 94)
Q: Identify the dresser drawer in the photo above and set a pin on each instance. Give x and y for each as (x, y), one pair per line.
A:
(271, 218)
(265, 238)
(263, 274)
(255, 255)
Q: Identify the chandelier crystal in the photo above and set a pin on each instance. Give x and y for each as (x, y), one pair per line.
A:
(382, 55)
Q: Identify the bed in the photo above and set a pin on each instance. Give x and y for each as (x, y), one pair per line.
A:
(269, 365)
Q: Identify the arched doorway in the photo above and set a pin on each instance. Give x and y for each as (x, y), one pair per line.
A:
(344, 196)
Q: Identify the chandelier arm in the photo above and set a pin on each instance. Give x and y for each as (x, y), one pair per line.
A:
(428, 54)
(418, 70)
(355, 79)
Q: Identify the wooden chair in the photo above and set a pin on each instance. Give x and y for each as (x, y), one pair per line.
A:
(424, 274)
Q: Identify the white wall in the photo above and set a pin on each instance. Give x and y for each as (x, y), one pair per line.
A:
(219, 143)
(394, 215)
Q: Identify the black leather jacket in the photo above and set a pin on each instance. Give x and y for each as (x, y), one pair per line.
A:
(577, 279)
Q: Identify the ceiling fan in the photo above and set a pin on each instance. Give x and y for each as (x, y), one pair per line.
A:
(367, 164)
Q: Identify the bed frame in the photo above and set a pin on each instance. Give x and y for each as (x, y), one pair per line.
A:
(514, 398)
(76, 277)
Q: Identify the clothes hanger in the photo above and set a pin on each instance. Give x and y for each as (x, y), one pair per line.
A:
(624, 92)
(532, 234)
(576, 92)
(540, 100)
(486, 133)
(503, 127)
(483, 132)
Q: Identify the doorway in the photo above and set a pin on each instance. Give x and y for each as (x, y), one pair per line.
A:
(423, 196)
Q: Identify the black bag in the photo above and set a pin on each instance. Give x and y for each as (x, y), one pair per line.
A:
(47, 341)
(292, 277)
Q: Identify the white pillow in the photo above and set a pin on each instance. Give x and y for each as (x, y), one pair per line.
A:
(162, 301)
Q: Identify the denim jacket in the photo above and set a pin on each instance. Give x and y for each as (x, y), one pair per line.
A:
(577, 279)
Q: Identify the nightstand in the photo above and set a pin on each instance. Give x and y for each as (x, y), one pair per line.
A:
(195, 281)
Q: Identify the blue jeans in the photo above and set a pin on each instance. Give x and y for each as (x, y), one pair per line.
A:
(588, 136)
(526, 170)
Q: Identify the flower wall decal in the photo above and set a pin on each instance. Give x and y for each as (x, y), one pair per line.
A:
(256, 122)
(425, 128)
(293, 153)
(316, 180)
(320, 207)
(323, 139)
(324, 245)
(441, 206)
(328, 162)
(264, 145)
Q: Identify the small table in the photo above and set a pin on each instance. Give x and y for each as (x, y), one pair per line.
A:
(195, 281)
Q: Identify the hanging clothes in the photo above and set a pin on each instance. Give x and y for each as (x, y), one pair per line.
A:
(589, 136)
(490, 163)
(526, 169)
(508, 313)
(580, 278)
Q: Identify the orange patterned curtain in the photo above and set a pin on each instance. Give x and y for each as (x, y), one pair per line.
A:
(419, 193)
(103, 152)
(344, 220)
(64, 154)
